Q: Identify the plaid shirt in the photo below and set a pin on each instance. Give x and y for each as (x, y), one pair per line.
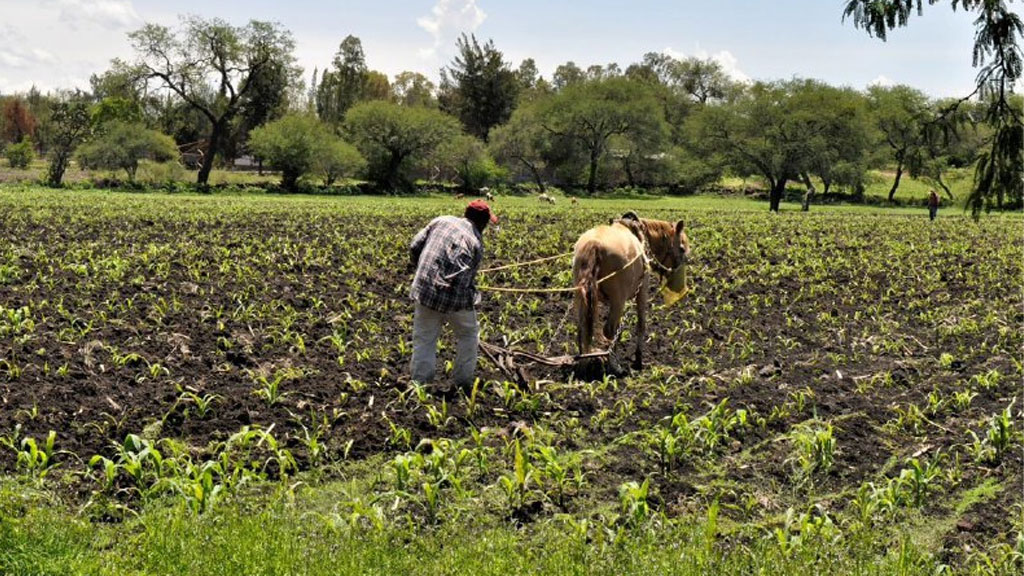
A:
(447, 254)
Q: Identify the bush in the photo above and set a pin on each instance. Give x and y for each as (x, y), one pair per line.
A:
(162, 173)
(20, 155)
(298, 144)
(465, 160)
(337, 159)
(395, 138)
(122, 145)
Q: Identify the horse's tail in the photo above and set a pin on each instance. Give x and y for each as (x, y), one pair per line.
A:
(586, 268)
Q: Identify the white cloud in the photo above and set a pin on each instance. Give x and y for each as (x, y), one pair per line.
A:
(109, 14)
(729, 63)
(881, 80)
(15, 54)
(448, 19)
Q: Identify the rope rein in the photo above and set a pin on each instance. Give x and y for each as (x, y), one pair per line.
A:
(518, 264)
(556, 290)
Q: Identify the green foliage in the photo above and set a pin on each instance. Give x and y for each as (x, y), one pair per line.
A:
(465, 160)
(393, 138)
(997, 54)
(521, 145)
(413, 89)
(814, 448)
(239, 59)
(71, 124)
(785, 131)
(299, 144)
(121, 146)
(116, 109)
(336, 159)
(584, 117)
(344, 84)
(20, 155)
(479, 87)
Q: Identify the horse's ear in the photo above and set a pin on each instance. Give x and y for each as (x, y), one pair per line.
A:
(679, 227)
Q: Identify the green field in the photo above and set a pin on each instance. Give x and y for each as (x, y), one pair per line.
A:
(225, 379)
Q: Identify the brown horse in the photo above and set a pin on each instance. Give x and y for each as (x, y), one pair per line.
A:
(610, 266)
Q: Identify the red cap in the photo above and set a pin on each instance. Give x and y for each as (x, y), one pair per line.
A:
(481, 207)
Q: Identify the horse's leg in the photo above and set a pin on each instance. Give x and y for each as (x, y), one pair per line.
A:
(584, 322)
(641, 323)
(616, 306)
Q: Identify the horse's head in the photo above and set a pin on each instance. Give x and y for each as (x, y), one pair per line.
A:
(671, 248)
(668, 242)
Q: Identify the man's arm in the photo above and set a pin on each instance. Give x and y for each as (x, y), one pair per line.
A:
(418, 242)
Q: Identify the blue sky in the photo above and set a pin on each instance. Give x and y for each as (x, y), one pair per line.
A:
(58, 43)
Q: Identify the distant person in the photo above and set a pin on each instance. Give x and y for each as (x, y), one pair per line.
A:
(446, 255)
(933, 204)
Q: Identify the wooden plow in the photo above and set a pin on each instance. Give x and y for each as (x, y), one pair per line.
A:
(513, 362)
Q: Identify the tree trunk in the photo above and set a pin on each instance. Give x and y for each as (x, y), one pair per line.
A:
(896, 182)
(58, 164)
(949, 193)
(809, 194)
(216, 135)
(592, 179)
(629, 173)
(775, 197)
(536, 176)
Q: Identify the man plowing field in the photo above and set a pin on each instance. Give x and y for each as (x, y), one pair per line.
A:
(447, 254)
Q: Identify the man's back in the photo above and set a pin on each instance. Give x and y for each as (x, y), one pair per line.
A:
(447, 252)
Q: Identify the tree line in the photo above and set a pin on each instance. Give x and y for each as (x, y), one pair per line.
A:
(218, 91)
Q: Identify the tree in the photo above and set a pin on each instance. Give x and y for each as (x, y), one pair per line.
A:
(115, 108)
(703, 80)
(298, 144)
(479, 87)
(344, 84)
(20, 155)
(782, 131)
(17, 120)
(122, 145)
(532, 85)
(590, 113)
(522, 141)
(211, 66)
(393, 137)
(567, 75)
(121, 93)
(998, 56)
(838, 135)
(336, 159)
(900, 113)
(464, 159)
(70, 126)
(413, 89)
(377, 86)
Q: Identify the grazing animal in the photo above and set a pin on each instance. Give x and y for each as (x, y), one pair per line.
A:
(616, 251)
(545, 197)
(573, 200)
(459, 196)
(489, 196)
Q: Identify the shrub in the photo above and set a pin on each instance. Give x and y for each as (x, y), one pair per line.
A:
(122, 145)
(465, 160)
(336, 159)
(20, 155)
(298, 144)
(394, 138)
